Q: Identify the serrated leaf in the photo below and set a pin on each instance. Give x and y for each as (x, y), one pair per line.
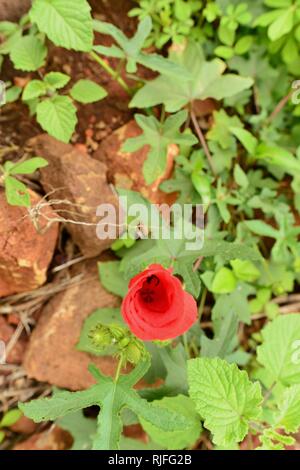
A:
(277, 353)
(57, 116)
(28, 53)
(34, 89)
(16, 192)
(288, 416)
(60, 404)
(56, 80)
(65, 24)
(224, 397)
(27, 167)
(112, 396)
(87, 91)
(7, 46)
(176, 439)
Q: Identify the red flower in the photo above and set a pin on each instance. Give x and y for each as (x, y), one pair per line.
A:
(156, 306)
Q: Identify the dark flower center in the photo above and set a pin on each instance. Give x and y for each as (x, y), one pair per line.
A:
(153, 293)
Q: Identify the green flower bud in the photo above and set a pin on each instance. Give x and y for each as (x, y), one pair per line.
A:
(135, 351)
(101, 336)
(118, 332)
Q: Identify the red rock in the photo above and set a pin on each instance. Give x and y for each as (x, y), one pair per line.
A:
(15, 356)
(51, 439)
(79, 183)
(25, 254)
(51, 355)
(125, 169)
(24, 426)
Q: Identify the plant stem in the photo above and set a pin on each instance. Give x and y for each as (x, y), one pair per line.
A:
(110, 71)
(186, 346)
(118, 371)
(203, 141)
(202, 302)
(268, 394)
(279, 107)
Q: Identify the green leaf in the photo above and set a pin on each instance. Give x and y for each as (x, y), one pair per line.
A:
(261, 228)
(56, 80)
(87, 91)
(288, 416)
(240, 176)
(57, 116)
(16, 192)
(10, 418)
(224, 281)
(34, 89)
(60, 404)
(81, 428)
(224, 340)
(279, 157)
(158, 136)
(246, 139)
(130, 49)
(235, 302)
(28, 53)
(206, 82)
(282, 25)
(175, 439)
(112, 397)
(245, 270)
(12, 94)
(224, 397)
(111, 278)
(29, 166)
(220, 131)
(228, 251)
(103, 316)
(290, 51)
(278, 353)
(243, 45)
(225, 52)
(64, 23)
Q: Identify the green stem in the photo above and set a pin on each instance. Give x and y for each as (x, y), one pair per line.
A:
(268, 394)
(110, 71)
(186, 346)
(202, 303)
(118, 371)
